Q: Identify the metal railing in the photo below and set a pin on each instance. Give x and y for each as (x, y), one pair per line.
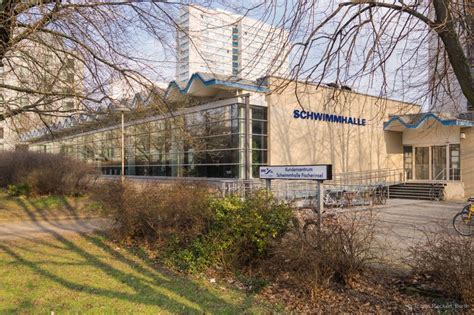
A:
(368, 178)
(301, 193)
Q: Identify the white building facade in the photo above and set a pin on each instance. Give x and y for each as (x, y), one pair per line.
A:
(219, 42)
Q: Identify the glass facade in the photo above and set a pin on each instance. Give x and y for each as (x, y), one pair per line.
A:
(205, 143)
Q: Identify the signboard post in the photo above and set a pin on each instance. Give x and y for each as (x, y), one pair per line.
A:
(318, 173)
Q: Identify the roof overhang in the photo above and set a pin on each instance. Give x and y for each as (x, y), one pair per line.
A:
(403, 122)
(205, 86)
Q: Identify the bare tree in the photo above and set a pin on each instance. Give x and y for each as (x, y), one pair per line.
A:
(56, 52)
(414, 50)
(411, 50)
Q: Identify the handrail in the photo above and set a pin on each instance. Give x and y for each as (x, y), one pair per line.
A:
(443, 171)
(369, 177)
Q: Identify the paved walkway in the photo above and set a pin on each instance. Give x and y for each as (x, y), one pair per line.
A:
(35, 229)
(404, 223)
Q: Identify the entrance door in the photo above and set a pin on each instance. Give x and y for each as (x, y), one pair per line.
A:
(438, 157)
(422, 162)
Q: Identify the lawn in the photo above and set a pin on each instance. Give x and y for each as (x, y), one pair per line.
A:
(45, 207)
(92, 274)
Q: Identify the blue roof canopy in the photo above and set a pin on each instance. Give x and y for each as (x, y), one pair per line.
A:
(398, 122)
(216, 81)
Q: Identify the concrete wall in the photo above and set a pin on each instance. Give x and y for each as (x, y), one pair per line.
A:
(349, 148)
(467, 161)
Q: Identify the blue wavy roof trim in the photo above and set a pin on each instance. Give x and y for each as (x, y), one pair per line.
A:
(426, 116)
(243, 84)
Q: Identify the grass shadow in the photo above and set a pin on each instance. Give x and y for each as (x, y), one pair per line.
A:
(135, 281)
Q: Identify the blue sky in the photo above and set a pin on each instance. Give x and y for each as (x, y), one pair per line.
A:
(399, 84)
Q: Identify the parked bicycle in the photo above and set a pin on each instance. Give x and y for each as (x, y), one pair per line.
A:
(437, 192)
(463, 222)
(310, 233)
(379, 195)
(332, 199)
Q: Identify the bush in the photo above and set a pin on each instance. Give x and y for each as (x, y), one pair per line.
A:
(175, 213)
(448, 260)
(41, 173)
(249, 225)
(194, 229)
(18, 190)
(339, 253)
(239, 234)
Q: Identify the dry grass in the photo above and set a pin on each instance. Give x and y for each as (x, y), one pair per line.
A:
(448, 262)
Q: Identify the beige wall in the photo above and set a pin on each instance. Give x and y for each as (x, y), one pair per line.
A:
(349, 148)
(467, 161)
(431, 133)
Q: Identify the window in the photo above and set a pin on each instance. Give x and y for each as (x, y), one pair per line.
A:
(70, 63)
(23, 101)
(70, 78)
(69, 105)
(408, 161)
(454, 162)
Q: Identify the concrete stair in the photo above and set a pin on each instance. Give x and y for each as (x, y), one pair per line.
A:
(418, 191)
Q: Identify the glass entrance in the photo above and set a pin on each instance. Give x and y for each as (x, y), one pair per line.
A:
(438, 162)
(422, 163)
(408, 162)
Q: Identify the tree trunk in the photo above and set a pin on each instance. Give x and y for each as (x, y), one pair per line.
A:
(452, 43)
(6, 16)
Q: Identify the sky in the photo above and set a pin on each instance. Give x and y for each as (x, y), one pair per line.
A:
(389, 81)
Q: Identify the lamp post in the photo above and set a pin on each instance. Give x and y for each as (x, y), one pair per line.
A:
(122, 109)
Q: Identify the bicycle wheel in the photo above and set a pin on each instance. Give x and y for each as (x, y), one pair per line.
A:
(383, 198)
(463, 224)
(311, 233)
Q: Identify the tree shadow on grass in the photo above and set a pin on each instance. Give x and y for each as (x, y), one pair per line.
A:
(51, 207)
(139, 282)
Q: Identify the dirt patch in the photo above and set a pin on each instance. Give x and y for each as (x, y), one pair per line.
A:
(37, 229)
(377, 292)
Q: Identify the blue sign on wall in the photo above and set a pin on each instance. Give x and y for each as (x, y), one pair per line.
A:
(302, 114)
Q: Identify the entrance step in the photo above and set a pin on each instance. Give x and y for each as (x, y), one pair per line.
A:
(418, 191)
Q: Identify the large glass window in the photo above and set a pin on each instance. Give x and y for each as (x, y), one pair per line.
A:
(408, 161)
(438, 162)
(422, 163)
(206, 143)
(454, 162)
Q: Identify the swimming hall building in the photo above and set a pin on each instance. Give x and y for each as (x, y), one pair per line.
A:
(221, 127)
